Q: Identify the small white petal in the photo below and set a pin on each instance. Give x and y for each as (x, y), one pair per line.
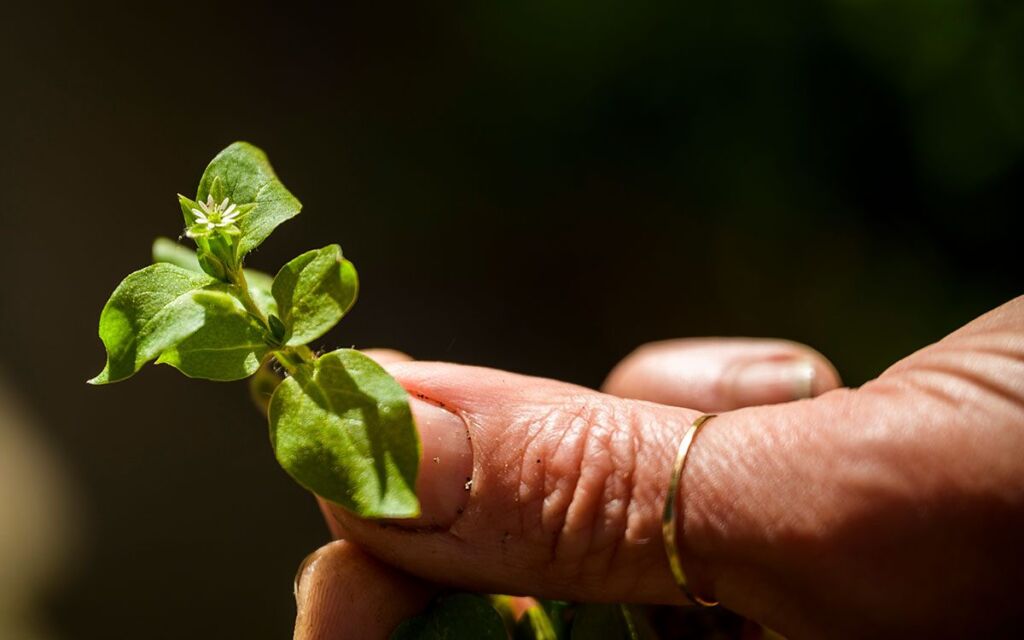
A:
(224, 203)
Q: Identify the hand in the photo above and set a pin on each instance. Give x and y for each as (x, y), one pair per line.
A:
(895, 509)
(345, 592)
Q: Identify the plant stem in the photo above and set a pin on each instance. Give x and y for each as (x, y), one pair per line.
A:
(238, 277)
(291, 358)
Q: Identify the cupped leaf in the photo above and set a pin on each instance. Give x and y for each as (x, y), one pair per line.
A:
(462, 616)
(167, 250)
(224, 342)
(313, 292)
(341, 427)
(242, 173)
(134, 310)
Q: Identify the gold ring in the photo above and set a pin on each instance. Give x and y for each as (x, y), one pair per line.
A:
(670, 514)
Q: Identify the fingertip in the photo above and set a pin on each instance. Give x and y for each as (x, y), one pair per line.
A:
(719, 374)
(446, 464)
(341, 592)
(826, 376)
(387, 356)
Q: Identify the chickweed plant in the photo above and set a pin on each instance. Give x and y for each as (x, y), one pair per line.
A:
(340, 425)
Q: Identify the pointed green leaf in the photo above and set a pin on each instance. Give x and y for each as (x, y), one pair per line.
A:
(224, 342)
(129, 316)
(187, 205)
(313, 292)
(462, 616)
(277, 328)
(167, 250)
(217, 189)
(244, 175)
(341, 427)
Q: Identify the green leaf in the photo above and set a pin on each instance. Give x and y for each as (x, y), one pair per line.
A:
(462, 616)
(504, 606)
(187, 205)
(259, 288)
(133, 313)
(244, 175)
(167, 250)
(277, 328)
(341, 427)
(313, 292)
(225, 341)
(535, 625)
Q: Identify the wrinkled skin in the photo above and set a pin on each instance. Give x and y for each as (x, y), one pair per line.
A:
(892, 510)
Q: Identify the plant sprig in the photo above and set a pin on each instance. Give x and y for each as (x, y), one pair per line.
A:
(340, 425)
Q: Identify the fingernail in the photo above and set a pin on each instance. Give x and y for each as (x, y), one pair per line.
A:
(299, 575)
(446, 466)
(767, 382)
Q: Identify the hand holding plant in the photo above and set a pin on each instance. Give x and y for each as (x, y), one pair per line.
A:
(817, 518)
(894, 510)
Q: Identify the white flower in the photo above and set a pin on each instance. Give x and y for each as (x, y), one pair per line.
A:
(212, 216)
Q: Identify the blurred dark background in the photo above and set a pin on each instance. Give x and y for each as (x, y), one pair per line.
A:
(537, 186)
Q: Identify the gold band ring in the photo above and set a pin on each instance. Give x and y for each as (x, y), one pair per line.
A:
(670, 515)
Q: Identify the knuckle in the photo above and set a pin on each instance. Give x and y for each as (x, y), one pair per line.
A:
(578, 500)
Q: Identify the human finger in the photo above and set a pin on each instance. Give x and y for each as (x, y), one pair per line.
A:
(560, 492)
(719, 374)
(342, 593)
(385, 356)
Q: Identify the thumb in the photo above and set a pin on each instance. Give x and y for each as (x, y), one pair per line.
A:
(560, 490)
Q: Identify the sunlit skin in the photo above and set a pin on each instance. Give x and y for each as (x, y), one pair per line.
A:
(892, 510)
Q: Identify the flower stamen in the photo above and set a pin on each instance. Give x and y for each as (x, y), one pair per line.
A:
(211, 216)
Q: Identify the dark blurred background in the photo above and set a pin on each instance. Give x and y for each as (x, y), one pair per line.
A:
(536, 186)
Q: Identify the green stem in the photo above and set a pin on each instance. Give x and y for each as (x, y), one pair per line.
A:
(238, 278)
(291, 358)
